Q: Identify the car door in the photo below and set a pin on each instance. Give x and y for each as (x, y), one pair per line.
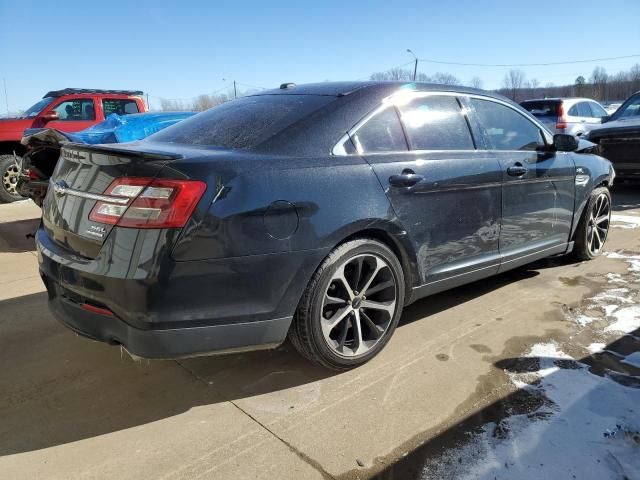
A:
(445, 193)
(597, 113)
(538, 183)
(74, 114)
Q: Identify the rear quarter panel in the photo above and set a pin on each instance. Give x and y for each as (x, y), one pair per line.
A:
(277, 205)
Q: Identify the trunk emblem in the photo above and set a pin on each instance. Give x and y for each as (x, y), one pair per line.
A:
(60, 187)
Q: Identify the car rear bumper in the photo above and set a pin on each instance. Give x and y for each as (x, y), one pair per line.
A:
(165, 342)
(174, 309)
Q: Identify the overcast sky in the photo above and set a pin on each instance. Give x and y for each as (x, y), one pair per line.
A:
(177, 49)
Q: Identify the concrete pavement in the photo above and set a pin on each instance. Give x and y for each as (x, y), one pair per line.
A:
(73, 408)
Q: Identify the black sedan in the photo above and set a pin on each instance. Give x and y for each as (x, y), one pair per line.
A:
(314, 212)
(619, 139)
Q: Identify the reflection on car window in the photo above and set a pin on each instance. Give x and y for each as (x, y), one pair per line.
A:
(597, 110)
(381, 133)
(506, 128)
(119, 106)
(632, 109)
(244, 123)
(436, 123)
(76, 110)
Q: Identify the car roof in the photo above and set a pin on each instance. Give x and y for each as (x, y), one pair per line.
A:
(561, 99)
(91, 91)
(339, 89)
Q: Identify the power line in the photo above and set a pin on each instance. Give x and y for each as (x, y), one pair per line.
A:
(568, 62)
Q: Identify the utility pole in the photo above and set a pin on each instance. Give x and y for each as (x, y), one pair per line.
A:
(415, 66)
(235, 92)
(6, 99)
(148, 108)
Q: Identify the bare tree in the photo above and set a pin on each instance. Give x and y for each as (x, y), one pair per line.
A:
(476, 82)
(599, 79)
(169, 104)
(445, 79)
(399, 74)
(514, 81)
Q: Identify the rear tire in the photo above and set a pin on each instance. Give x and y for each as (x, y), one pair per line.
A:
(593, 227)
(9, 175)
(351, 306)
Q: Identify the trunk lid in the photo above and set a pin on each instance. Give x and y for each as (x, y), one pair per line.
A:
(82, 175)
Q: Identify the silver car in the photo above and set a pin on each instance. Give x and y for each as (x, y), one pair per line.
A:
(567, 115)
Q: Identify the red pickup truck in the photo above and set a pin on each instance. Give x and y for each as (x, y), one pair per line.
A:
(69, 110)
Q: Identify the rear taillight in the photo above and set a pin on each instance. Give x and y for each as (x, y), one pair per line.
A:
(562, 119)
(159, 203)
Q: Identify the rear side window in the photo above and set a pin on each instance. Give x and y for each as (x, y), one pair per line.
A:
(244, 123)
(76, 110)
(506, 128)
(436, 123)
(119, 106)
(542, 108)
(596, 110)
(381, 133)
(580, 109)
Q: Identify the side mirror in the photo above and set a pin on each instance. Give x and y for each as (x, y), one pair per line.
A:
(49, 116)
(565, 142)
(605, 119)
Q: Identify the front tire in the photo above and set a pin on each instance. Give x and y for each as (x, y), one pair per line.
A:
(9, 174)
(351, 306)
(593, 227)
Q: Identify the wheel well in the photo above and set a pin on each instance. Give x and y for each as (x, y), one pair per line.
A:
(7, 148)
(387, 239)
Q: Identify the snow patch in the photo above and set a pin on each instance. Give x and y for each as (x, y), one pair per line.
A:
(628, 221)
(582, 409)
(627, 320)
(596, 348)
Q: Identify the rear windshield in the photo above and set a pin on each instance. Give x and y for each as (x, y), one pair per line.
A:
(243, 123)
(542, 108)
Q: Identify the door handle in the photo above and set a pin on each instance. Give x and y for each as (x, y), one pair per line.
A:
(517, 170)
(407, 178)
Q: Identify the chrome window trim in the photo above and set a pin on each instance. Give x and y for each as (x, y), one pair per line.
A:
(339, 150)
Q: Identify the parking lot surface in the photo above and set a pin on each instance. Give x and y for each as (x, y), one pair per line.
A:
(73, 408)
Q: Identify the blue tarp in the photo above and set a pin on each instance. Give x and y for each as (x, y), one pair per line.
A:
(127, 128)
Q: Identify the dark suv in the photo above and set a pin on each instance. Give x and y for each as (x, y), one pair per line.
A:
(315, 211)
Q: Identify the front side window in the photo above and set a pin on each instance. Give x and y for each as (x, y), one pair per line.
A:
(506, 128)
(631, 109)
(381, 133)
(119, 106)
(436, 123)
(76, 110)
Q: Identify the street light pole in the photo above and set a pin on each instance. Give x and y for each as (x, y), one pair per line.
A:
(415, 66)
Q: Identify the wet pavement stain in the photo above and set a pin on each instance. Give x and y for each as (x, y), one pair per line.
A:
(571, 281)
(480, 348)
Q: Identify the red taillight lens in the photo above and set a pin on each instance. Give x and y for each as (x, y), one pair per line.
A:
(561, 124)
(160, 203)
